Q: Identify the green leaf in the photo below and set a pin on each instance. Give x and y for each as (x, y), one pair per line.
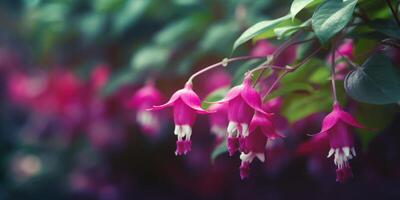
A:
(176, 32)
(387, 27)
(129, 15)
(331, 17)
(297, 6)
(289, 88)
(287, 31)
(150, 57)
(258, 28)
(377, 81)
(220, 149)
(300, 106)
(218, 36)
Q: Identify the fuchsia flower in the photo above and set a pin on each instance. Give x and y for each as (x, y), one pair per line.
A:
(186, 105)
(261, 129)
(243, 100)
(337, 124)
(143, 99)
(219, 120)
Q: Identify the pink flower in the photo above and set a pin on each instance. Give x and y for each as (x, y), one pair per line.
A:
(262, 48)
(99, 76)
(143, 99)
(243, 100)
(261, 129)
(336, 124)
(186, 105)
(219, 120)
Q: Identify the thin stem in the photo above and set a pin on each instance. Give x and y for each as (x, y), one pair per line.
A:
(333, 75)
(263, 67)
(306, 59)
(275, 82)
(393, 12)
(224, 62)
(278, 52)
(346, 59)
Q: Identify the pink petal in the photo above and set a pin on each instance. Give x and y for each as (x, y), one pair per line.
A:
(193, 101)
(329, 121)
(233, 92)
(171, 101)
(347, 118)
(253, 99)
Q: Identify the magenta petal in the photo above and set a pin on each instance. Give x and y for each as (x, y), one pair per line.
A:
(253, 99)
(192, 100)
(180, 148)
(233, 92)
(170, 102)
(232, 144)
(347, 118)
(329, 121)
(243, 145)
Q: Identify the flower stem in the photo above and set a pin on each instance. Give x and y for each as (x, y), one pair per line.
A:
(333, 75)
(224, 62)
(396, 17)
(283, 47)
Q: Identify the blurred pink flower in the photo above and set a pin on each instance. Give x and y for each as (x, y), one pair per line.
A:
(143, 99)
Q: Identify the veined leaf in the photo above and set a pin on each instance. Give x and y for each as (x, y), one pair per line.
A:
(377, 81)
(297, 6)
(258, 28)
(331, 17)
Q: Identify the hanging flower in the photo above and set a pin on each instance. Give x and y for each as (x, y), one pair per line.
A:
(337, 124)
(261, 129)
(186, 105)
(143, 99)
(243, 101)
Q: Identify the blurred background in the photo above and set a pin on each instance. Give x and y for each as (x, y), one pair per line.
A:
(68, 129)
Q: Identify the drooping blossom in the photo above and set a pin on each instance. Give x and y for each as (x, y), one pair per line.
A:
(337, 125)
(219, 120)
(243, 100)
(143, 99)
(261, 129)
(186, 106)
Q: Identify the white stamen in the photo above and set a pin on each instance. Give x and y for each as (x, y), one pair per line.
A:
(353, 151)
(331, 151)
(249, 157)
(187, 131)
(183, 131)
(260, 156)
(346, 151)
(342, 155)
(232, 129)
(245, 130)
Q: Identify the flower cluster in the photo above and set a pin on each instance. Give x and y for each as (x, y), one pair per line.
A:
(247, 123)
